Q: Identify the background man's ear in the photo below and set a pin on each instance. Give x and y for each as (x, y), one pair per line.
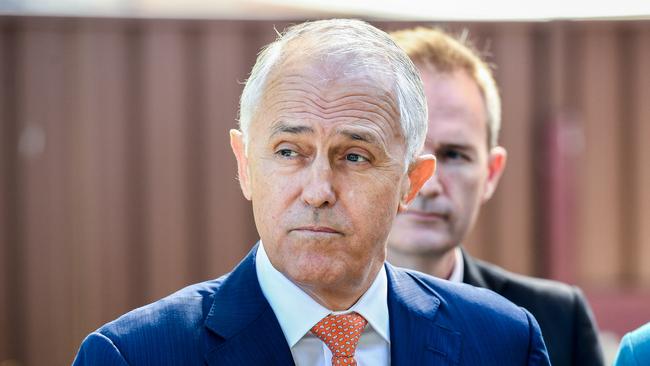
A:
(496, 166)
(239, 149)
(419, 172)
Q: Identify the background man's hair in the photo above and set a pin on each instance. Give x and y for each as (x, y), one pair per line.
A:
(364, 48)
(433, 47)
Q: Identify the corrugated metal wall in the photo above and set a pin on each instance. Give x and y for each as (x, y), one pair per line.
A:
(117, 184)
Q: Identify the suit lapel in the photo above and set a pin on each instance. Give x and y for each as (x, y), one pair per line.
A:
(249, 332)
(474, 275)
(416, 336)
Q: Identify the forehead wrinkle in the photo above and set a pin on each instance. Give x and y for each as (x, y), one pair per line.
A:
(382, 109)
(278, 83)
(374, 134)
(295, 97)
(356, 106)
(310, 87)
(321, 101)
(324, 77)
(384, 105)
(358, 120)
(298, 109)
(353, 132)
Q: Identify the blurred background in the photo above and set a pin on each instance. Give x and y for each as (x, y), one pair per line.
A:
(118, 186)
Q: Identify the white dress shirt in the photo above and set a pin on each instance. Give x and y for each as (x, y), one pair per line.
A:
(297, 313)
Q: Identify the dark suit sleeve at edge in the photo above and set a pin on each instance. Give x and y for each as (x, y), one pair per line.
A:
(587, 345)
(97, 349)
(537, 354)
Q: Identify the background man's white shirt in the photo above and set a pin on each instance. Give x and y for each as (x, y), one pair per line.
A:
(297, 313)
(459, 267)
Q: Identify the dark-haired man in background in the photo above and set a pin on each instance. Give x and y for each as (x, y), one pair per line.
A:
(464, 120)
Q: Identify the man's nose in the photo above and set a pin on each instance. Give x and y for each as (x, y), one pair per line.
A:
(432, 187)
(318, 190)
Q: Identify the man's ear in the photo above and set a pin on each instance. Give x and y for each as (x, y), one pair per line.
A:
(239, 149)
(496, 165)
(419, 172)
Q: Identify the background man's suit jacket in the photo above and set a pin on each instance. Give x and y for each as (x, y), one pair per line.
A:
(561, 310)
(229, 322)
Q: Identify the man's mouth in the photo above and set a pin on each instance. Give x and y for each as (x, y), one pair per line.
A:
(317, 229)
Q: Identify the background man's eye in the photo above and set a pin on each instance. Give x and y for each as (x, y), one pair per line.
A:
(452, 154)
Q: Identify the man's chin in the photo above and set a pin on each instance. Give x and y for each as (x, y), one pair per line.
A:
(314, 273)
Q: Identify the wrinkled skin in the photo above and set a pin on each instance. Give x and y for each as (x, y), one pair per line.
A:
(325, 172)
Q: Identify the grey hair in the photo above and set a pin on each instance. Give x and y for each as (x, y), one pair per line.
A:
(368, 48)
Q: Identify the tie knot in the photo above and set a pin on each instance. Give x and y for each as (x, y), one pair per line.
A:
(341, 334)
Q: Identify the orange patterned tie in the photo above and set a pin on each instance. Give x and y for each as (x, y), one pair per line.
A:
(341, 334)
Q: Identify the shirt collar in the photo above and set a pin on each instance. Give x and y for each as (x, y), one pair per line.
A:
(287, 300)
(458, 272)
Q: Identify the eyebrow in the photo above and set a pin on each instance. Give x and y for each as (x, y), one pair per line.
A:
(285, 128)
(358, 136)
(467, 148)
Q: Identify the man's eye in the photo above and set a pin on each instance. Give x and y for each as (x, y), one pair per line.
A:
(287, 153)
(453, 155)
(356, 158)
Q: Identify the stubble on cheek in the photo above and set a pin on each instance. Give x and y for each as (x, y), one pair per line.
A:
(377, 216)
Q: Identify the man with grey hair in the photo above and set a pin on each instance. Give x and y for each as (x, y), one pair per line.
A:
(333, 118)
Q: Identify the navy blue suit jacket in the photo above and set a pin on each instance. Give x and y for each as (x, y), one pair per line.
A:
(228, 321)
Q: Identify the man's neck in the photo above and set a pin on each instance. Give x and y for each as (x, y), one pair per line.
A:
(438, 265)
